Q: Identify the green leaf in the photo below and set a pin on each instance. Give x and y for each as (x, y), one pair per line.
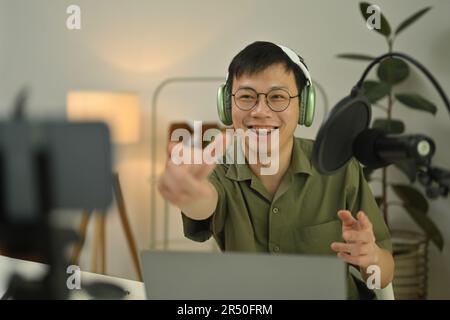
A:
(406, 23)
(389, 126)
(426, 224)
(393, 70)
(375, 90)
(355, 56)
(385, 28)
(411, 197)
(417, 102)
(408, 168)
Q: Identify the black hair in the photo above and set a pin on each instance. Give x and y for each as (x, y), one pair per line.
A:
(258, 56)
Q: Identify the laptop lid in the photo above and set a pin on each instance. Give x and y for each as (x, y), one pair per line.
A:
(241, 276)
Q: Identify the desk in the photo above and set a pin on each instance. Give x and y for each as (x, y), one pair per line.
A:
(33, 270)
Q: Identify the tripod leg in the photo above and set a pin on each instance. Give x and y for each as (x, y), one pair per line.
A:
(102, 240)
(126, 225)
(99, 244)
(95, 244)
(75, 259)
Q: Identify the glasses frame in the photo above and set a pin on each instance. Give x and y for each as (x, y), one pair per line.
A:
(265, 97)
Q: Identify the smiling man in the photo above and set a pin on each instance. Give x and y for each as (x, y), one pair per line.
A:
(295, 210)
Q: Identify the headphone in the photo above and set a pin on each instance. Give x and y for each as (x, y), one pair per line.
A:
(307, 96)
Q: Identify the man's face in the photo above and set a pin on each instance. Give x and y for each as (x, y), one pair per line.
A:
(261, 116)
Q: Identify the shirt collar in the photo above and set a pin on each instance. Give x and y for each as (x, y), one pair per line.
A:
(301, 157)
(300, 163)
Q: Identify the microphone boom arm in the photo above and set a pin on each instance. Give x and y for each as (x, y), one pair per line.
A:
(420, 66)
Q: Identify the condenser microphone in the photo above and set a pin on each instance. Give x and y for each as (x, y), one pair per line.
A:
(345, 132)
(375, 149)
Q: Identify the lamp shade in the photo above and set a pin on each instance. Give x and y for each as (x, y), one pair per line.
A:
(119, 110)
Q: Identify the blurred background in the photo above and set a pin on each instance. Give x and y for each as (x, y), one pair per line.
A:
(127, 49)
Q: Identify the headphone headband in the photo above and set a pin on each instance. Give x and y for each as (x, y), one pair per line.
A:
(294, 58)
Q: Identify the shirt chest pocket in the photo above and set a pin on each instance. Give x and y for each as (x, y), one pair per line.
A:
(317, 239)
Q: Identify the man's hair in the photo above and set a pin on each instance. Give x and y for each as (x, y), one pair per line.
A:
(258, 56)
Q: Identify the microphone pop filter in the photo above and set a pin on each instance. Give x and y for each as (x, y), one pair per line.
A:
(333, 147)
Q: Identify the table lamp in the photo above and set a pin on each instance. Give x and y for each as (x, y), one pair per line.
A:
(120, 111)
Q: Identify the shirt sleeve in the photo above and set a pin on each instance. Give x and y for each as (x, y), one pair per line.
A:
(202, 230)
(360, 197)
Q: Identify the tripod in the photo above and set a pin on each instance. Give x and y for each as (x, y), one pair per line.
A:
(99, 249)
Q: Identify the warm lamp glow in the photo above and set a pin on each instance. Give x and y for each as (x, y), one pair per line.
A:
(120, 111)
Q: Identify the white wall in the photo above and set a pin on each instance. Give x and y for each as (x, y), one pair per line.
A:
(3, 40)
(134, 45)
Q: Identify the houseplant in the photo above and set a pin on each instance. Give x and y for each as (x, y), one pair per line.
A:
(410, 248)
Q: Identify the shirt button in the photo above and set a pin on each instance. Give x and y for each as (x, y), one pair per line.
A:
(276, 248)
(275, 210)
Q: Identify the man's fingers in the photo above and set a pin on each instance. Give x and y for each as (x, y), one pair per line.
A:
(170, 147)
(174, 198)
(354, 249)
(347, 218)
(217, 148)
(187, 167)
(360, 261)
(178, 185)
(185, 180)
(204, 170)
(212, 153)
(179, 153)
(364, 236)
(363, 220)
(177, 178)
(199, 160)
(167, 194)
(169, 183)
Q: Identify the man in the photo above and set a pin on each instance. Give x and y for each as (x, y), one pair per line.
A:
(296, 210)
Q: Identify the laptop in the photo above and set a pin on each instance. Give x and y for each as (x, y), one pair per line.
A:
(170, 275)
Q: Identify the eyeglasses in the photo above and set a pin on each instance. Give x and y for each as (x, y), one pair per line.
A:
(277, 99)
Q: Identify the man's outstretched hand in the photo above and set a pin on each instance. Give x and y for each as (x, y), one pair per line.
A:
(186, 183)
(359, 247)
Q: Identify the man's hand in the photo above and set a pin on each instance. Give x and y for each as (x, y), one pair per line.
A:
(360, 248)
(186, 185)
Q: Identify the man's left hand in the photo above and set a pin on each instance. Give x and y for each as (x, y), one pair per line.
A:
(359, 248)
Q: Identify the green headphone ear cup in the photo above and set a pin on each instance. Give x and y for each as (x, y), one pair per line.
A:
(302, 106)
(224, 105)
(307, 105)
(311, 106)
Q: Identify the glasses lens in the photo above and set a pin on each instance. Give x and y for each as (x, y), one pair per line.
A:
(245, 98)
(278, 99)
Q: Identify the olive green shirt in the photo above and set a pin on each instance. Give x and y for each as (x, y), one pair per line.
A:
(301, 218)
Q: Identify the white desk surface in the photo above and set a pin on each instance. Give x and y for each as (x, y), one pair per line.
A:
(32, 270)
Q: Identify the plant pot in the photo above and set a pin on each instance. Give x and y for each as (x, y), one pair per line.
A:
(411, 264)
